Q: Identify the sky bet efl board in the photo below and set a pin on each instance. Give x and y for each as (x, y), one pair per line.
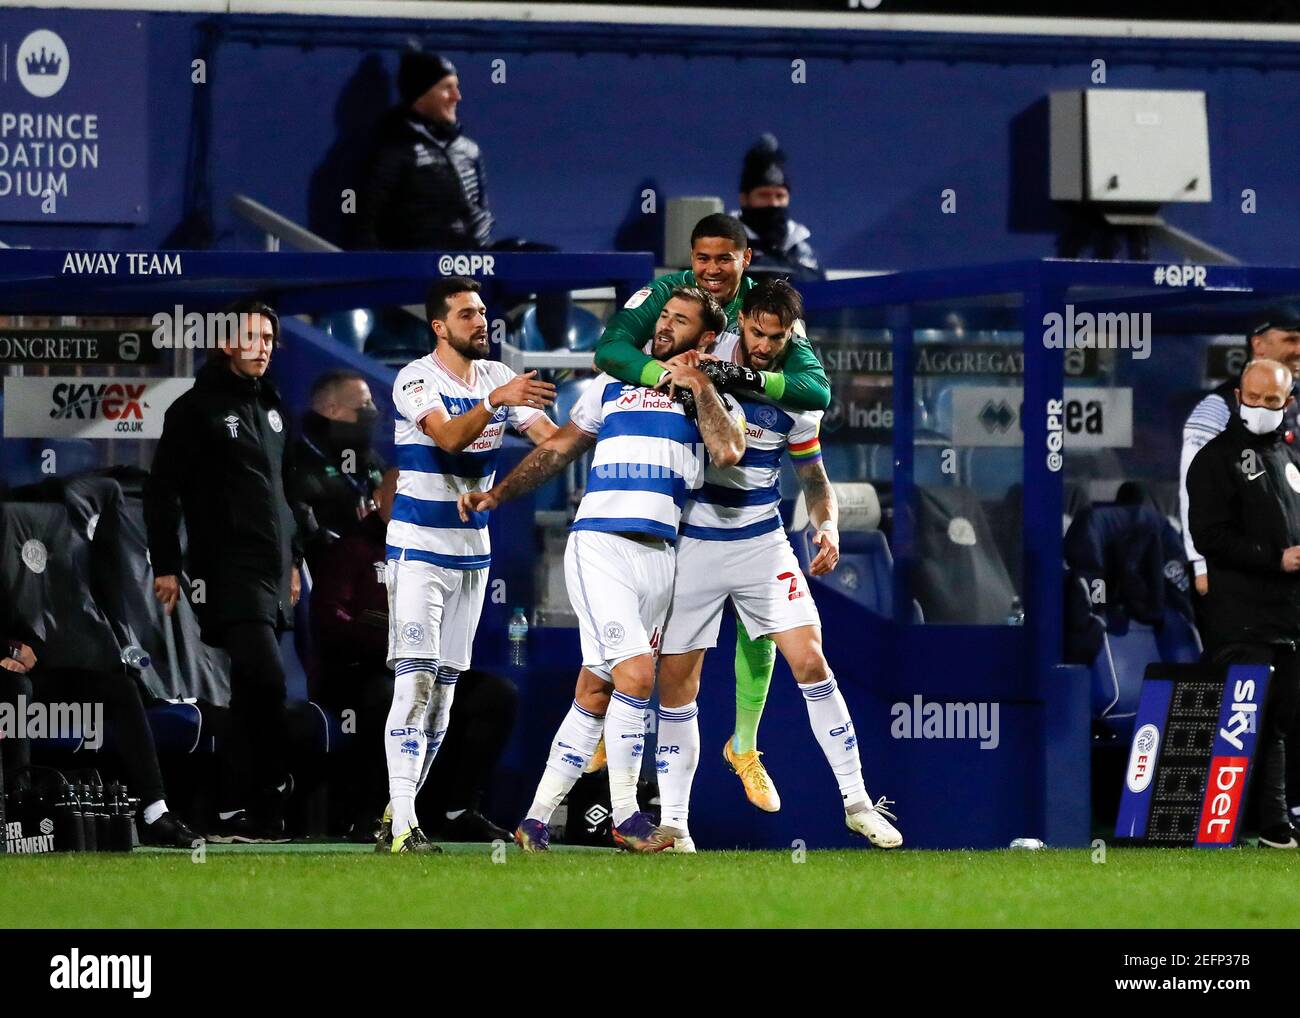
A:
(1190, 762)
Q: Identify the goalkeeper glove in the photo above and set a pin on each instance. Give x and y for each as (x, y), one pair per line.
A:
(728, 376)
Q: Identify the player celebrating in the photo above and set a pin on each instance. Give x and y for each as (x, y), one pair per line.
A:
(618, 565)
(720, 254)
(452, 409)
(733, 545)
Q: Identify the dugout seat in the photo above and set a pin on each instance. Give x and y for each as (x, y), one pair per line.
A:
(351, 328)
(865, 574)
(581, 334)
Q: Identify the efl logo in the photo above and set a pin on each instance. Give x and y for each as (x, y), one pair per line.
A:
(1223, 794)
(1142, 760)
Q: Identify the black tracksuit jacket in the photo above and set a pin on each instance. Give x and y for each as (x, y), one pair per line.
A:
(1243, 495)
(223, 466)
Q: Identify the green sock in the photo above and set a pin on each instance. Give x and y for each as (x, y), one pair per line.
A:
(755, 660)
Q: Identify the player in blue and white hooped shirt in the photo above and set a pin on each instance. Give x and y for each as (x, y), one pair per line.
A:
(648, 455)
(452, 409)
(733, 545)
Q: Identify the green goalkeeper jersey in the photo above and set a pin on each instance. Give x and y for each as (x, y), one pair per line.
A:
(800, 385)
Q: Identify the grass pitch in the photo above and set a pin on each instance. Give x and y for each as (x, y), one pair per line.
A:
(346, 886)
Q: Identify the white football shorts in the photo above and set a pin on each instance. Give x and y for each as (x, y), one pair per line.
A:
(761, 576)
(433, 611)
(620, 589)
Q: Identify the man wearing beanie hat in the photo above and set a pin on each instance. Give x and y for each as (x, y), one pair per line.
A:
(778, 242)
(425, 188)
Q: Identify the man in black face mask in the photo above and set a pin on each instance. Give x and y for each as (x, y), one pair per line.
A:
(780, 245)
(337, 470)
(1243, 492)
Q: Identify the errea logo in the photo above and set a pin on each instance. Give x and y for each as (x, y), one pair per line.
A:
(75, 971)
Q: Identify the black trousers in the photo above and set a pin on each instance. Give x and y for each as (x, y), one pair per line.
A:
(253, 757)
(482, 718)
(1268, 795)
(123, 713)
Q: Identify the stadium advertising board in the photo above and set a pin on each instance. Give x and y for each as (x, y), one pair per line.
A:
(861, 376)
(73, 117)
(1093, 418)
(88, 407)
(76, 346)
(1189, 764)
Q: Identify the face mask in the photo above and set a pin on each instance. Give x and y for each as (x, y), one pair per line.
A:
(1260, 420)
(769, 222)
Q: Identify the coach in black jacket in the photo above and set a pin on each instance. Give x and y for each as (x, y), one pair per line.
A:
(222, 465)
(1243, 492)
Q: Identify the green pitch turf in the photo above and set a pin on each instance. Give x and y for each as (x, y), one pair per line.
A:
(342, 886)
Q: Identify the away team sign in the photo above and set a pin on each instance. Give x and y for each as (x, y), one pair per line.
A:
(74, 137)
(88, 407)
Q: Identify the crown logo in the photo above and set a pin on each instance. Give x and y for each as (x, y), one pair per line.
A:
(43, 63)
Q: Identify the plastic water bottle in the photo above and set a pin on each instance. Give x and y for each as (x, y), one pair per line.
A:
(134, 657)
(1016, 617)
(517, 632)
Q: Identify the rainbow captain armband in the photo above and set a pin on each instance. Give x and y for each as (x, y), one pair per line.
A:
(806, 452)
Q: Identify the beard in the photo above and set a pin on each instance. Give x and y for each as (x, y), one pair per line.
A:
(472, 347)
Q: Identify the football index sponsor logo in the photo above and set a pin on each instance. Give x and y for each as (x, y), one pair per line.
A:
(921, 720)
(75, 971)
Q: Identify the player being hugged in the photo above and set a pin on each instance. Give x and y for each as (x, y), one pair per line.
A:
(733, 545)
(649, 454)
(452, 409)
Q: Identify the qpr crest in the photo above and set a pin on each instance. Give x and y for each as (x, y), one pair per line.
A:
(614, 633)
(273, 418)
(765, 417)
(413, 633)
(34, 555)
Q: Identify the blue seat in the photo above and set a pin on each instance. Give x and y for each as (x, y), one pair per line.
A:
(178, 728)
(580, 336)
(351, 328)
(1122, 663)
(865, 574)
(566, 395)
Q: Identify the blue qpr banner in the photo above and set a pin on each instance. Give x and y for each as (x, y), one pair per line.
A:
(74, 126)
(1191, 757)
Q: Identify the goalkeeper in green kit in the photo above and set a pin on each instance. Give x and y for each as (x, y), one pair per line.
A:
(719, 256)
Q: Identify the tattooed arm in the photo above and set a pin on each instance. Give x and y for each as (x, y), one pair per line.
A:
(534, 470)
(823, 513)
(723, 434)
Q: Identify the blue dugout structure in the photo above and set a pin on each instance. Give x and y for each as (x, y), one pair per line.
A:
(1026, 776)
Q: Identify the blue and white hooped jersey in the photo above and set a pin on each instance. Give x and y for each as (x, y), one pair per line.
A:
(735, 503)
(649, 456)
(426, 524)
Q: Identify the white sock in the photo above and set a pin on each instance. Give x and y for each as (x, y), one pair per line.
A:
(154, 810)
(437, 720)
(571, 749)
(404, 741)
(677, 757)
(829, 717)
(624, 744)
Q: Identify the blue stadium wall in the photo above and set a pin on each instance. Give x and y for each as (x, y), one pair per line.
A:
(589, 116)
